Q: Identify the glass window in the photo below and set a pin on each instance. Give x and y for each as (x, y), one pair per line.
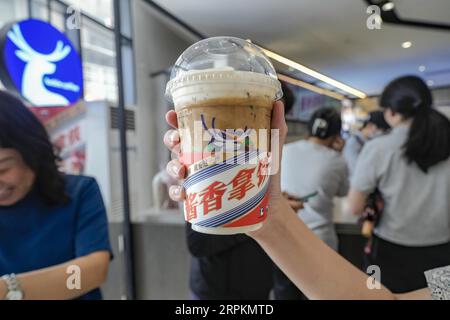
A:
(128, 75)
(99, 62)
(102, 10)
(125, 18)
(12, 10)
(58, 16)
(39, 9)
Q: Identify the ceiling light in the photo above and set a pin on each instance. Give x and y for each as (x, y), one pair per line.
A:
(313, 73)
(311, 87)
(388, 6)
(406, 44)
(422, 68)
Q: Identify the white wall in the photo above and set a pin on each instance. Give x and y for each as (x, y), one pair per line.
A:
(157, 45)
(442, 100)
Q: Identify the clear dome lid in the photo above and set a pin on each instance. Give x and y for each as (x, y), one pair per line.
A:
(220, 56)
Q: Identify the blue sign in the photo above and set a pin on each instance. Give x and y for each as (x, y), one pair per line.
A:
(41, 64)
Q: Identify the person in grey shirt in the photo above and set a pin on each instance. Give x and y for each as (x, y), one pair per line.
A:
(373, 127)
(314, 167)
(411, 169)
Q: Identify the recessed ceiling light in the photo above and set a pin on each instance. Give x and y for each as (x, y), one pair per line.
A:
(422, 68)
(388, 6)
(430, 82)
(311, 87)
(406, 44)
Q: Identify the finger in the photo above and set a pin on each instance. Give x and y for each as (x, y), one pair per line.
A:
(295, 198)
(279, 136)
(176, 152)
(171, 119)
(176, 170)
(177, 193)
(171, 139)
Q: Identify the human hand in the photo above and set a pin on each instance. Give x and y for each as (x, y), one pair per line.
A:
(277, 203)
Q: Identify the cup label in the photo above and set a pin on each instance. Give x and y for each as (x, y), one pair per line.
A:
(226, 194)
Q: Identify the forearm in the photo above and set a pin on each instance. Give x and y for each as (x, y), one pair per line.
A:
(357, 201)
(422, 294)
(313, 267)
(52, 283)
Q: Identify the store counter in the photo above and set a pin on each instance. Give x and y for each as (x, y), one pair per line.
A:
(162, 261)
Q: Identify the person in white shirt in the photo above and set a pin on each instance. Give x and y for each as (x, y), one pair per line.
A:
(314, 167)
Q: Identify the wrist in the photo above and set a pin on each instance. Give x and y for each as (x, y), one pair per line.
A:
(13, 289)
(277, 220)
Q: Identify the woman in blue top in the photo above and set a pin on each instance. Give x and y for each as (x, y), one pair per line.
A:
(54, 241)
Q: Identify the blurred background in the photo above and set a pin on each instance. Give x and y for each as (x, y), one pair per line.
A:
(337, 53)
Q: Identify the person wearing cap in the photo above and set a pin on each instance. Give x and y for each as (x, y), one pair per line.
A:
(315, 168)
(373, 127)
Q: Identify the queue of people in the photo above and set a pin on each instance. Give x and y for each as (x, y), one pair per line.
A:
(410, 166)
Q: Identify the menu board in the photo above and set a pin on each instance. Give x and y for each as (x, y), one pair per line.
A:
(306, 102)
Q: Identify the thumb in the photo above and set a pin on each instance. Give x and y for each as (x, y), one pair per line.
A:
(279, 122)
(279, 132)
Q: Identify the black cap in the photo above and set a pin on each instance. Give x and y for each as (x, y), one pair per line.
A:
(325, 123)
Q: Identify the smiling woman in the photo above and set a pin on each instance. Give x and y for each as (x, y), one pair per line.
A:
(56, 221)
(26, 155)
(18, 178)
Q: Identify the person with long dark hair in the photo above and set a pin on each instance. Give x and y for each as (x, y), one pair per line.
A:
(54, 241)
(411, 169)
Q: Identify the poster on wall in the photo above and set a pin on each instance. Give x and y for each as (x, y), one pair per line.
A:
(68, 134)
(71, 147)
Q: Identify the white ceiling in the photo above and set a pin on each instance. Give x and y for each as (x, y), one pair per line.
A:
(331, 35)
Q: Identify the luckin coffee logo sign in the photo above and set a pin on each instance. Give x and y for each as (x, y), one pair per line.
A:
(41, 64)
